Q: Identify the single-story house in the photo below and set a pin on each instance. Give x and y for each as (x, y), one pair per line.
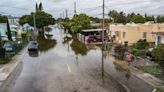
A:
(26, 27)
(3, 30)
(159, 37)
(134, 32)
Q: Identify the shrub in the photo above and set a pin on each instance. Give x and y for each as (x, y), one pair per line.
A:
(134, 52)
(141, 44)
(158, 54)
(24, 35)
(119, 51)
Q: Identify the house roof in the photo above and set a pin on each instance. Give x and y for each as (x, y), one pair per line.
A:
(26, 25)
(91, 30)
(13, 30)
(13, 26)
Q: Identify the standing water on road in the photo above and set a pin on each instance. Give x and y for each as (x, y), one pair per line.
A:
(67, 65)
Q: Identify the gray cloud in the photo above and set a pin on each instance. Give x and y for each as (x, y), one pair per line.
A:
(56, 7)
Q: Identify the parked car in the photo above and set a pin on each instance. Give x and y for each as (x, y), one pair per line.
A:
(33, 46)
(8, 47)
(91, 38)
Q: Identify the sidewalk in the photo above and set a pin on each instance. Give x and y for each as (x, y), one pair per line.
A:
(148, 78)
(7, 69)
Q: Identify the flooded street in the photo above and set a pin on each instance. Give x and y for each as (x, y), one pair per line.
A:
(70, 66)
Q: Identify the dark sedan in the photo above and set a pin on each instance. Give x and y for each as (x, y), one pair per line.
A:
(33, 46)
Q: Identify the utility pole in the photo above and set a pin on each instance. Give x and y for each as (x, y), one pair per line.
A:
(35, 31)
(75, 8)
(66, 13)
(102, 48)
(63, 14)
(34, 21)
(103, 22)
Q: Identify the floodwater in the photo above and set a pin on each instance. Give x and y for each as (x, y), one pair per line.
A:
(67, 65)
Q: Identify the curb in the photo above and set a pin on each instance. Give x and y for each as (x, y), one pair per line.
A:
(7, 69)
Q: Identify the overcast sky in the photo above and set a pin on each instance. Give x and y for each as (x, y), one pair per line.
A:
(91, 7)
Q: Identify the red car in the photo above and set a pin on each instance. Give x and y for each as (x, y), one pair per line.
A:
(91, 38)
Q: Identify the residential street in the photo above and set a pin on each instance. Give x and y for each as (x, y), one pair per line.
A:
(61, 67)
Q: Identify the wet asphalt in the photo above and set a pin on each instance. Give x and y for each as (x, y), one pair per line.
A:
(63, 65)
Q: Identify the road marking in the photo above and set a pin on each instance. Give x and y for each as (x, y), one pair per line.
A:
(68, 68)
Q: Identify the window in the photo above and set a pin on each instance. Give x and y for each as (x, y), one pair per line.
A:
(124, 35)
(144, 35)
(159, 40)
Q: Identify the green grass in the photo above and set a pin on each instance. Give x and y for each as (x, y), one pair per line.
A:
(5, 60)
(154, 70)
(159, 90)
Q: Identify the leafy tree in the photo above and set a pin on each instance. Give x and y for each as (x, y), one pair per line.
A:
(25, 19)
(40, 7)
(9, 31)
(158, 54)
(42, 19)
(129, 17)
(118, 17)
(79, 22)
(138, 19)
(149, 18)
(4, 19)
(36, 8)
(160, 19)
(141, 44)
(114, 14)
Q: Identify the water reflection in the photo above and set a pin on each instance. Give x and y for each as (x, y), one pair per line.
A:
(66, 40)
(45, 43)
(78, 47)
(128, 75)
(33, 53)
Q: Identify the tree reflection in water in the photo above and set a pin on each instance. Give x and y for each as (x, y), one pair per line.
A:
(78, 47)
(45, 43)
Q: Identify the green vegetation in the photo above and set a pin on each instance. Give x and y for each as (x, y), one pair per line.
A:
(141, 44)
(45, 44)
(159, 90)
(152, 69)
(119, 51)
(78, 23)
(9, 31)
(4, 61)
(158, 54)
(78, 47)
(121, 17)
(160, 19)
(42, 18)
